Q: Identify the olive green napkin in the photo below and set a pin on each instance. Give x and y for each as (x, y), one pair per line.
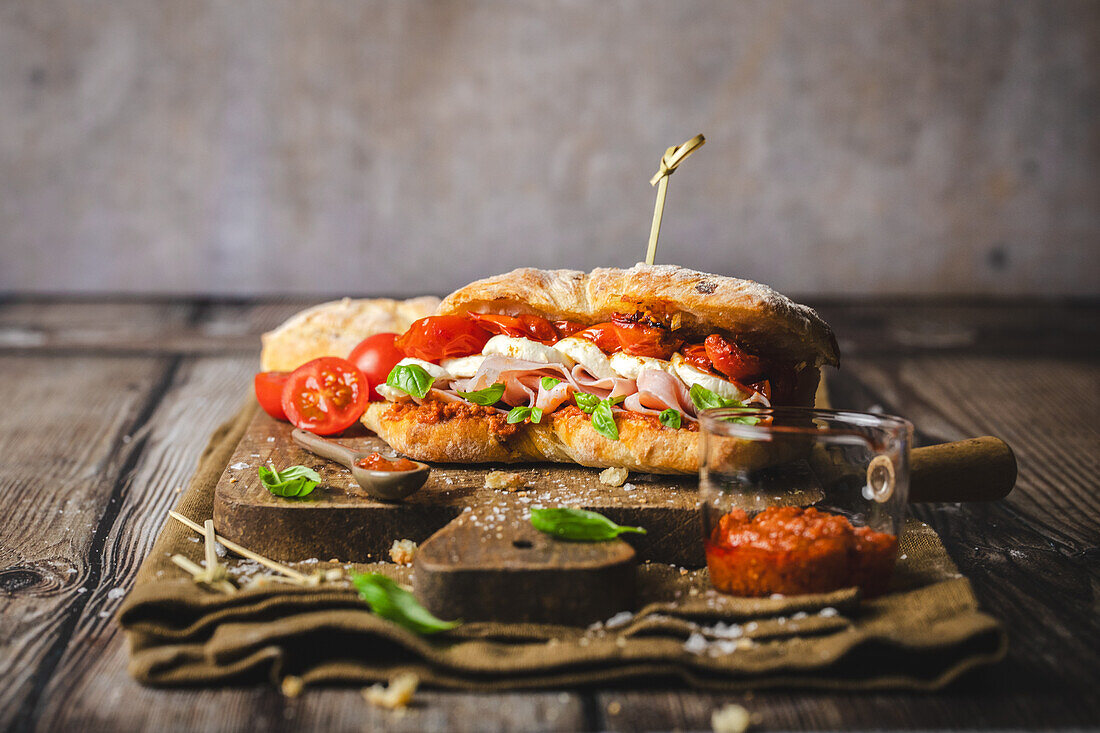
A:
(922, 635)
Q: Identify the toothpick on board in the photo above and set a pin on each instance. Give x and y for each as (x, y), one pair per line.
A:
(669, 161)
(245, 552)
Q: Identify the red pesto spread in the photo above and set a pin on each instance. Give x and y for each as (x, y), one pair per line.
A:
(377, 462)
(791, 550)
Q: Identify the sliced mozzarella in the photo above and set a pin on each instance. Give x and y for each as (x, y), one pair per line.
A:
(692, 376)
(628, 365)
(463, 367)
(393, 394)
(525, 349)
(588, 355)
(435, 371)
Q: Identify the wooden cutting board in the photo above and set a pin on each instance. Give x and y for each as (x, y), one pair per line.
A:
(338, 521)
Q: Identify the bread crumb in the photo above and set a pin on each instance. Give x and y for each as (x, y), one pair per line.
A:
(509, 480)
(614, 707)
(403, 552)
(292, 686)
(615, 476)
(730, 719)
(397, 695)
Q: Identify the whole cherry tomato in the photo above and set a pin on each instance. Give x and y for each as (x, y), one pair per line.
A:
(376, 356)
(325, 396)
(269, 392)
(442, 337)
(531, 327)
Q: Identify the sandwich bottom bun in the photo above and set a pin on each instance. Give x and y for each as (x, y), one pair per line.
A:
(462, 433)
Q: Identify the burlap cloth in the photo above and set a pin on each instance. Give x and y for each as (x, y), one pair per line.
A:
(922, 635)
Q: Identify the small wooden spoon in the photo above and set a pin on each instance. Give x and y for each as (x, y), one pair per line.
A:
(381, 485)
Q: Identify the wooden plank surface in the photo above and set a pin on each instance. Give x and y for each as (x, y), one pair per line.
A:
(67, 439)
(1033, 559)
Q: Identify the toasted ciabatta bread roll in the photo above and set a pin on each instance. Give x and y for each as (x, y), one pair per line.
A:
(771, 323)
(697, 305)
(335, 328)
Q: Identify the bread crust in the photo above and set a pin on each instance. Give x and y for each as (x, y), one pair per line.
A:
(565, 436)
(761, 318)
(337, 327)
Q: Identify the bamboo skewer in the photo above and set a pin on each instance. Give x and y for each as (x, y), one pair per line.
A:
(669, 161)
(244, 551)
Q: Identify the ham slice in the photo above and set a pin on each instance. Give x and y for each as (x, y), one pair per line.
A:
(658, 391)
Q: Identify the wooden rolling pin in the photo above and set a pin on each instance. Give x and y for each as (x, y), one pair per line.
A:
(978, 469)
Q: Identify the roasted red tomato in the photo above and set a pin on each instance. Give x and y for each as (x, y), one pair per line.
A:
(269, 392)
(603, 335)
(641, 335)
(568, 328)
(535, 328)
(729, 359)
(442, 337)
(696, 355)
(376, 356)
(325, 396)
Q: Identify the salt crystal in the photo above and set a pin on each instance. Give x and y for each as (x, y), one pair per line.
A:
(696, 643)
(116, 593)
(619, 619)
(827, 612)
(239, 465)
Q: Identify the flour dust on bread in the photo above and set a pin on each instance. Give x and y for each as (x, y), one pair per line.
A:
(548, 378)
(337, 327)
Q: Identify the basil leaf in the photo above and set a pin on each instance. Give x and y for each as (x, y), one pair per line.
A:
(488, 396)
(411, 379)
(704, 399)
(518, 414)
(578, 525)
(390, 601)
(585, 401)
(604, 422)
(290, 482)
(521, 413)
(549, 383)
(670, 418)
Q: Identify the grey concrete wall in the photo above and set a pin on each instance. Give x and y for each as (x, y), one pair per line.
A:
(236, 147)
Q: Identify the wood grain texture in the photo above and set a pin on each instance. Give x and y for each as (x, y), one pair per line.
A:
(67, 440)
(336, 520)
(223, 146)
(1032, 559)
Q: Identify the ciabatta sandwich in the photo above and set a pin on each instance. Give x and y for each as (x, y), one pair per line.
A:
(608, 368)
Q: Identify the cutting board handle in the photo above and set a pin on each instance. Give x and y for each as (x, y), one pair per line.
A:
(978, 469)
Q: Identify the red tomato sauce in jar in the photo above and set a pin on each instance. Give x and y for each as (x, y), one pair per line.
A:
(377, 462)
(791, 550)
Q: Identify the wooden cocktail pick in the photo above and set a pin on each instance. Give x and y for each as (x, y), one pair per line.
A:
(672, 158)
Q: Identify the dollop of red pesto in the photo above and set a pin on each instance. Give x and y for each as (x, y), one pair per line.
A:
(792, 551)
(378, 462)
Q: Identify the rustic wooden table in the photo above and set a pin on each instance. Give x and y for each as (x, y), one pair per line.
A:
(104, 407)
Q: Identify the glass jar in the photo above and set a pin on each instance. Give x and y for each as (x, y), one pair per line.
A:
(802, 501)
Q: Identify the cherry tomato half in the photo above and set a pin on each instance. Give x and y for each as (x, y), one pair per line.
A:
(603, 335)
(442, 337)
(325, 396)
(640, 335)
(376, 356)
(729, 359)
(269, 392)
(531, 327)
(568, 328)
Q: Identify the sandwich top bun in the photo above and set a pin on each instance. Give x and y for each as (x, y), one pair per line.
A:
(758, 316)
